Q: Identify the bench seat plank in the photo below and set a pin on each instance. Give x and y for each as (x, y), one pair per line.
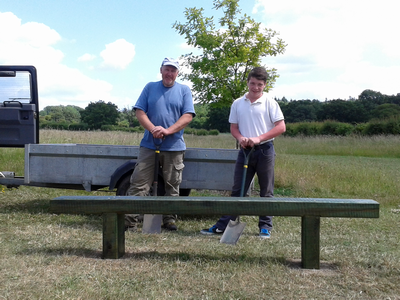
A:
(277, 206)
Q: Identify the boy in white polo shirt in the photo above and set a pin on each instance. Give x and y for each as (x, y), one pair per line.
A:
(255, 122)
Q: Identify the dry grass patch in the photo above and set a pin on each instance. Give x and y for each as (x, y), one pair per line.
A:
(58, 257)
(47, 256)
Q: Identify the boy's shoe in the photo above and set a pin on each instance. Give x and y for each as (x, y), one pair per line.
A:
(211, 231)
(170, 227)
(264, 233)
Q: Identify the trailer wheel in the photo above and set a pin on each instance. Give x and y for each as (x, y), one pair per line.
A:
(184, 192)
(123, 186)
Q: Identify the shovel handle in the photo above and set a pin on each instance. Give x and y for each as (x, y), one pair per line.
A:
(157, 143)
(245, 166)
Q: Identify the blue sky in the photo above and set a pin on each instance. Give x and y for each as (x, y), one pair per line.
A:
(87, 51)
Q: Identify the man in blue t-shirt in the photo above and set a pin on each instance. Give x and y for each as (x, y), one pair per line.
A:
(164, 108)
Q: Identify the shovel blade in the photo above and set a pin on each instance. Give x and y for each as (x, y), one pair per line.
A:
(232, 232)
(152, 223)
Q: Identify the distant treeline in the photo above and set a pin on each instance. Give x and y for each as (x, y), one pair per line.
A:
(372, 113)
(369, 106)
(375, 127)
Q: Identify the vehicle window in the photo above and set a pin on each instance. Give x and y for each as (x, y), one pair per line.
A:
(16, 88)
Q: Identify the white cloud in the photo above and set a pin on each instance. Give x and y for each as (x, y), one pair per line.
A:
(61, 85)
(337, 47)
(38, 35)
(86, 57)
(34, 44)
(118, 55)
(314, 91)
(29, 43)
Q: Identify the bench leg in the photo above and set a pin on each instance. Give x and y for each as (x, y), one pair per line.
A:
(113, 235)
(310, 242)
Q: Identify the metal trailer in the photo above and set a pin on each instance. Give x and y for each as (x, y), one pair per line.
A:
(85, 166)
(91, 167)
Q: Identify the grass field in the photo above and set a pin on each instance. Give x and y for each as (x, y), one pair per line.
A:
(47, 256)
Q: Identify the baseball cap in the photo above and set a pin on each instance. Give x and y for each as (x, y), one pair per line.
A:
(170, 62)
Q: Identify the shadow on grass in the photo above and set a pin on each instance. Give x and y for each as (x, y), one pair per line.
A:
(41, 207)
(172, 257)
(67, 251)
(36, 206)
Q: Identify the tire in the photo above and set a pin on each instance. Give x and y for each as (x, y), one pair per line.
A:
(123, 186)
(184, 192)
(124, 183)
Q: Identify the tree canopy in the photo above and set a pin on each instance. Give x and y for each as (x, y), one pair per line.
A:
(99, 113)
(386, 111)
(69, 113)
(219, 73)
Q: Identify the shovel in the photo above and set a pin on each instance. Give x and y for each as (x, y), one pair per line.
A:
(152, 223)
(234, 229)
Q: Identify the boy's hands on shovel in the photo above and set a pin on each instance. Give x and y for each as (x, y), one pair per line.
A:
(249, 142)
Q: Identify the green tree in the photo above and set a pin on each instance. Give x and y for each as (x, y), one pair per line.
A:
(129, 116)
(343, 111)
(386, 111)
(394, 99)
(201, 119)
(53, 113)
(371, 99)
(300, 111)
(99, 113)
(218, 118)
(72, 114)
(60, 113)
(371, 95)
(219, 73)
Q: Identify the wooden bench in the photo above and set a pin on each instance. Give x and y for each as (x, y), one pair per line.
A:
(113, 209)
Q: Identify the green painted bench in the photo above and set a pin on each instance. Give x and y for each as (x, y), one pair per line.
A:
(113, 209)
